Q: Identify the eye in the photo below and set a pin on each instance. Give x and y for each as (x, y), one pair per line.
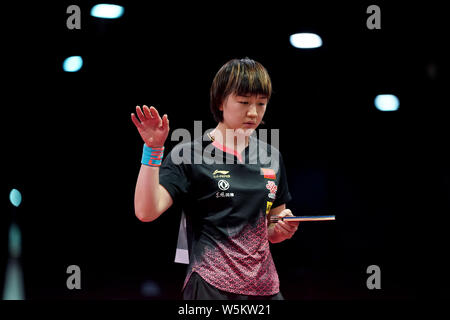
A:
(243, 102)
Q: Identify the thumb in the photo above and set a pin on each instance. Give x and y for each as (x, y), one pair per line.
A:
(165, 121)
(286, 213)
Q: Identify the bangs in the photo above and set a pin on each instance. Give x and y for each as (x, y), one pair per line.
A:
(248, 77)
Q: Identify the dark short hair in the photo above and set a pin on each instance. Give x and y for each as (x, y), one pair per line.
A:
(241, 77)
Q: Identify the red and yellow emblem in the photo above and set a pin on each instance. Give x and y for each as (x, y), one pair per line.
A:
(269, 205)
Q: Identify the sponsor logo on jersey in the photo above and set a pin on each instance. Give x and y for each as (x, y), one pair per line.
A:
(221, 174)
(223, 185)
(269, 205)
(272, 188)
(224, 194)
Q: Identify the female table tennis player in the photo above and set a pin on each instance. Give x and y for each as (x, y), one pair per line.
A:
(228, 203)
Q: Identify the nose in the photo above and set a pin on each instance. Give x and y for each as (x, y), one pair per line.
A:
(252, 113)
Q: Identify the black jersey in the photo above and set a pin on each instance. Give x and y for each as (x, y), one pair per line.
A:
(226, 197)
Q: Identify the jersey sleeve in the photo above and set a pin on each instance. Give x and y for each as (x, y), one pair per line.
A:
(175, 178)
(283, 195)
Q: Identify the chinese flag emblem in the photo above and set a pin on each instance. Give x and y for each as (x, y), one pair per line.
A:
(268, 173)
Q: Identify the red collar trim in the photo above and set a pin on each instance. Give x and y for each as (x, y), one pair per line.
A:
(227, 150)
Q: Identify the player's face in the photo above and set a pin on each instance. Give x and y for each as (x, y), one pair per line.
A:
(243, 112)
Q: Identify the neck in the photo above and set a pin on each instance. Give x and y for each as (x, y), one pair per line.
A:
(229, 137)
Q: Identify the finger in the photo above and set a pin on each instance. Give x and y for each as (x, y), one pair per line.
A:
(140, 114)
(286, 213)
(135, 121)
(154, 113)
(165, 122)
(147, 113)
(287, 227)
(286, 233)
(292, 223)
(282, 231)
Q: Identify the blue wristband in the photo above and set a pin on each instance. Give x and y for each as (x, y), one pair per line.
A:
(152, 156)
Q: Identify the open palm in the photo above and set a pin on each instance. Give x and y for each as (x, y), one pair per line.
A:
(151, 127)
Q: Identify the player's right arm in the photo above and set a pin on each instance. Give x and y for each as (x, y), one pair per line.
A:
(150, 198)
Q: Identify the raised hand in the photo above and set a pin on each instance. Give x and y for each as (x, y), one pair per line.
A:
(151, 127)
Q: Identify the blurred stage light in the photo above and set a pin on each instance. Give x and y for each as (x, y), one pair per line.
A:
(305, 40)
(72, 64)
(15, 197)
(107, 11)
(150, 288)
(387, 102)
(15, 241)
(13, 288)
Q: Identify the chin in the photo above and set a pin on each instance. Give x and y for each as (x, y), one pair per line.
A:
(245, 131)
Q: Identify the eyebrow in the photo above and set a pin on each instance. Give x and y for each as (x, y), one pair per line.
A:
(248, 96)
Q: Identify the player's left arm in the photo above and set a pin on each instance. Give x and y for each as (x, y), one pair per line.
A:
(281, 230)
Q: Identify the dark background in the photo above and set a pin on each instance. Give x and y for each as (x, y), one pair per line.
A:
(74, 154)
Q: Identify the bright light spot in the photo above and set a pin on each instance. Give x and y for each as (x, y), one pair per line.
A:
(305, 40)
(387, 102)
(107, 11)
(15, 197)
(72, 64)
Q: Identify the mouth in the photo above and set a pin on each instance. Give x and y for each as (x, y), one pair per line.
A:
(250, 123)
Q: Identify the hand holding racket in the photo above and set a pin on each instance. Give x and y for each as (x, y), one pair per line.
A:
(284, 227)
